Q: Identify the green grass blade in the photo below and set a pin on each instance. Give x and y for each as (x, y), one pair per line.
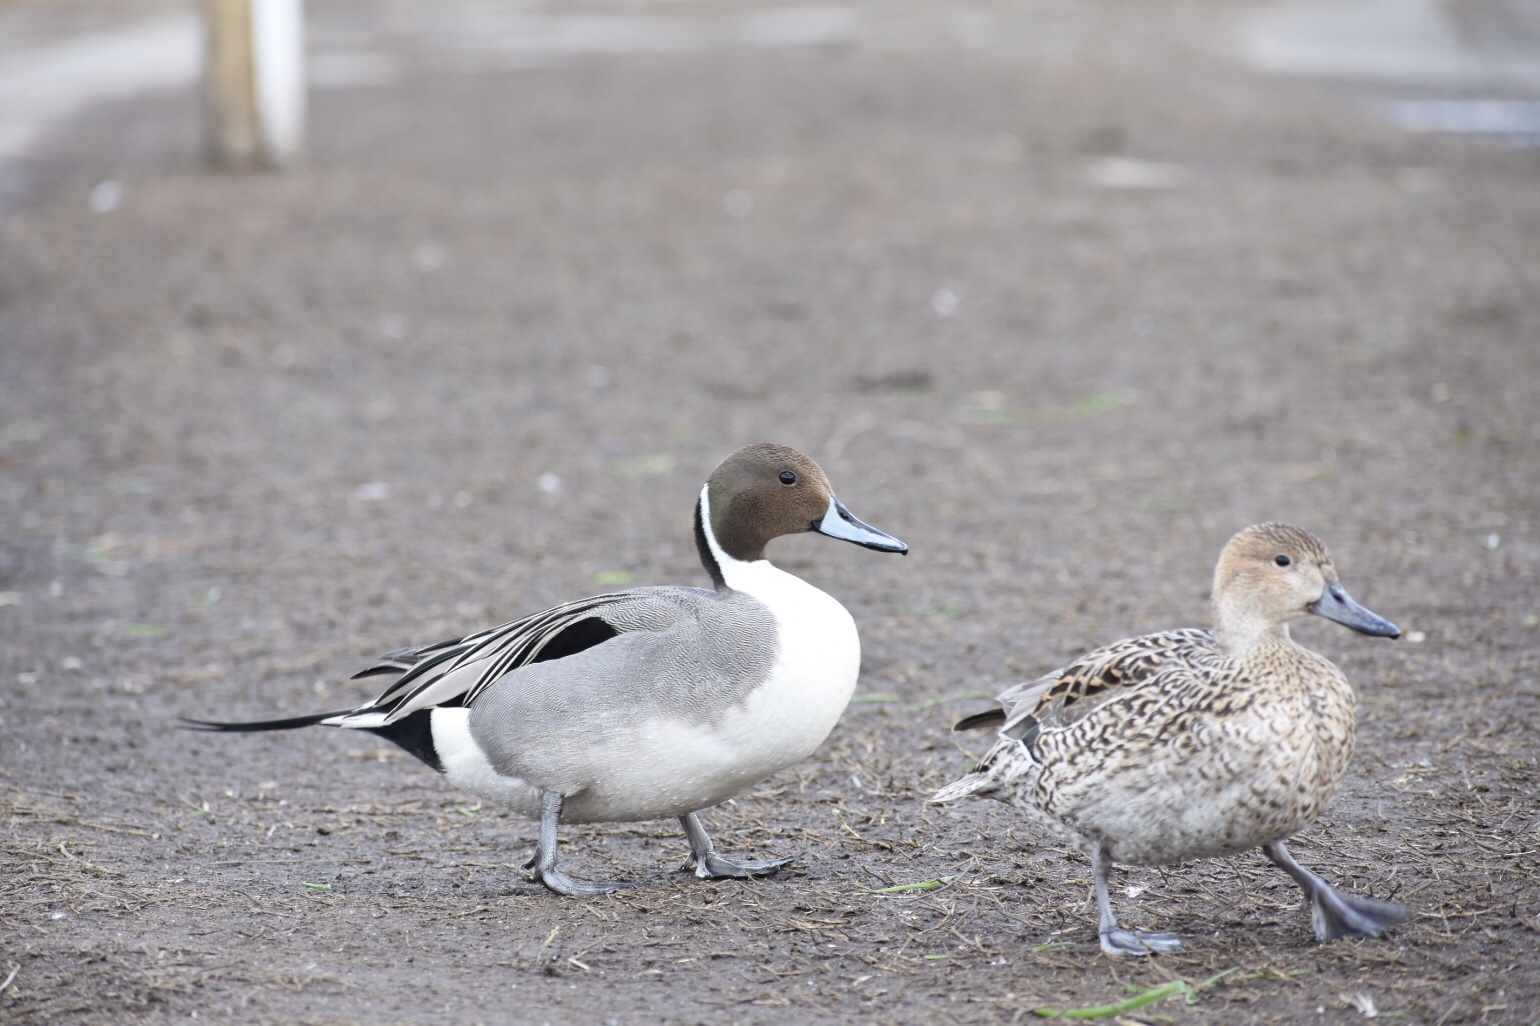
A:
(1152, 996)
(956, 696)
(910, 888)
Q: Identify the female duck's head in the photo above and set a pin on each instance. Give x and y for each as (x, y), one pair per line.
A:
(1269, 574)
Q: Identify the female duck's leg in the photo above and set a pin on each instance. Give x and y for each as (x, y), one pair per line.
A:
(711, 866)
(544, 860)
(1115, 939)
(1336, 915)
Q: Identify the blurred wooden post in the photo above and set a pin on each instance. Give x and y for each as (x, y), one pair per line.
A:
(254, 81)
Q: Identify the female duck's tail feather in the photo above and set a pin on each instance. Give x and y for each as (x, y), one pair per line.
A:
(974, 784)
(996, 775)
(988, 718)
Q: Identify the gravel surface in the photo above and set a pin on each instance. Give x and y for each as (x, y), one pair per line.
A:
(1060, 294)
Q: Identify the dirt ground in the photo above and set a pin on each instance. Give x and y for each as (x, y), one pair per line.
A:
(476, 356)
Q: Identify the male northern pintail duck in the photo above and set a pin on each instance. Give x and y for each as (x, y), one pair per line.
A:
(648, 703)
(1195, 743)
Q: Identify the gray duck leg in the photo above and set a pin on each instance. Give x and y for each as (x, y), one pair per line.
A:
(711, 866)
(544, 860)
(1332, 914)
(1115, 939)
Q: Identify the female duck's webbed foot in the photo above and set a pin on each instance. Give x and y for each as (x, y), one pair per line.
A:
(711, 866)
(1115, 940)
(1335, 915)
(544, 860)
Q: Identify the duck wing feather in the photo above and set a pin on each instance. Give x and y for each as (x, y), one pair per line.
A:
(455, 671)
(1073, 692)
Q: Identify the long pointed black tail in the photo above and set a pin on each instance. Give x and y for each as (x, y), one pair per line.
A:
(293, 723)
(413, 732)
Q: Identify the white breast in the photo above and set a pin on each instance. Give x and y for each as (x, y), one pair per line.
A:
(665, 768)
(818, 658)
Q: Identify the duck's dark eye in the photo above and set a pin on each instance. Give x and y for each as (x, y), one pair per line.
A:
(788, 478)
(1282, 560)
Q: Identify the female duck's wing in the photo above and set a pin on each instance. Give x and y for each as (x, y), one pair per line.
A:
(1074, 691)
(454, 672)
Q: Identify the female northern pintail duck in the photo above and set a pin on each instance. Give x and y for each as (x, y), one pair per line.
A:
(1195, 743)
(648, 703)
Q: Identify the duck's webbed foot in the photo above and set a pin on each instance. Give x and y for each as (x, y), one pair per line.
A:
(557, 881)
(1115, 940)
(711, 866)
(1333, 914)
(544, 860)
(1122, 942)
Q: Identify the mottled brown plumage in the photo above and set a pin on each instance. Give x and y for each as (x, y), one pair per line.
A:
(1195, 743)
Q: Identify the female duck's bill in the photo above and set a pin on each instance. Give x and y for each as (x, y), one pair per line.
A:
(1337, 605)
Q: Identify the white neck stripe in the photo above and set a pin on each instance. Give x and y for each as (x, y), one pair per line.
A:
(725, 563)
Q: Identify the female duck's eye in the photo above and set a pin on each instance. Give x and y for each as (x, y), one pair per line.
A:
(1282, 560)
(788, 478)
